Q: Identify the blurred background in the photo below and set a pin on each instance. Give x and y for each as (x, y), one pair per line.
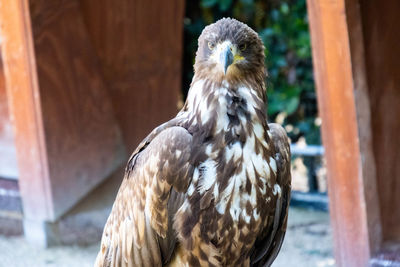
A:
(83, 82)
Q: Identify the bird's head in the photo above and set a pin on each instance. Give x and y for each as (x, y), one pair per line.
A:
(230, 50)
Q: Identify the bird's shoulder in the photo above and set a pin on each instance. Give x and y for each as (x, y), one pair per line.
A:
(169, 136)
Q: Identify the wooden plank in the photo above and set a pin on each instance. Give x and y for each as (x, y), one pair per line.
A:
(8, 156)
(381, 38)
(139, 44)
(335, 87)
(22, 90)
(67, 138)
(364, 123)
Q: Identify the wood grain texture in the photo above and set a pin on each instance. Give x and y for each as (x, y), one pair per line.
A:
(82, 137)
(8, 157)
(22, 90)
(335, 89)
(139, 45)
(66, 136)
(71, 68)
(382, 39)
(364, 123)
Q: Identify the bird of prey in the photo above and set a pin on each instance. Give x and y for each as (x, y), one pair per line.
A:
(210, 187)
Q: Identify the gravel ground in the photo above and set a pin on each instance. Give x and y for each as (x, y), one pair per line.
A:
(308, 243)
(308, 240)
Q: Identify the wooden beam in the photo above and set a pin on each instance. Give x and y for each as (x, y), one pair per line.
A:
(23, 94)
(8, 157)
(339, 77)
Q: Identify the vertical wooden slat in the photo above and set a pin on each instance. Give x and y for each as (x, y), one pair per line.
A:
(23, 93)
(335, 87)
(382, 53)
(364, 123)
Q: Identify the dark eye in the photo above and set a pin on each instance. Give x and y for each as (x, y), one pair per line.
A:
(242, 47)
(211, 45)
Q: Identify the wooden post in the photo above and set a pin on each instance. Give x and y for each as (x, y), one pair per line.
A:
(23, 93)
(8, 157)
(346, 130)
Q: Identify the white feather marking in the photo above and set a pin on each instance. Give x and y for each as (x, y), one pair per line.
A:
(258, 130)
(209, 174)
(253, 196)
(194, 94)
(216, 193)
(190, 190)
(205, 115)
(236, 207)
(178, 153)
(196, 100)
(272, 164)
(196, 175)
(246, 218)
(260, 165)
(244, 92)
(263, 190)
(224, 197)
(223, 120)
(249, 155)
(256, 215)
(221, 207)
(251, 173)
(234, 151)
(209, 149)
(276, 190)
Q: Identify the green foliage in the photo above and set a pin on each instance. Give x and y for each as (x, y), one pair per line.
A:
(283, 27)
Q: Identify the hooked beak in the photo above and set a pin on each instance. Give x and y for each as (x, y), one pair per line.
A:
(226, 58)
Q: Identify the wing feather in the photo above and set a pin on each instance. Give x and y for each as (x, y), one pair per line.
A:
(268, 245)
(139, 228)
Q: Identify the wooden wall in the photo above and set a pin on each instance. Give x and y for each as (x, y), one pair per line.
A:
(89, 81)
(382, 54)
(82, 137)
(139, 44)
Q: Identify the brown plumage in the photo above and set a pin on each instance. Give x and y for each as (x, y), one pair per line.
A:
(210, 187)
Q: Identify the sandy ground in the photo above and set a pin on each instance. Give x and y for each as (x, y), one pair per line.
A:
(308, 243)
